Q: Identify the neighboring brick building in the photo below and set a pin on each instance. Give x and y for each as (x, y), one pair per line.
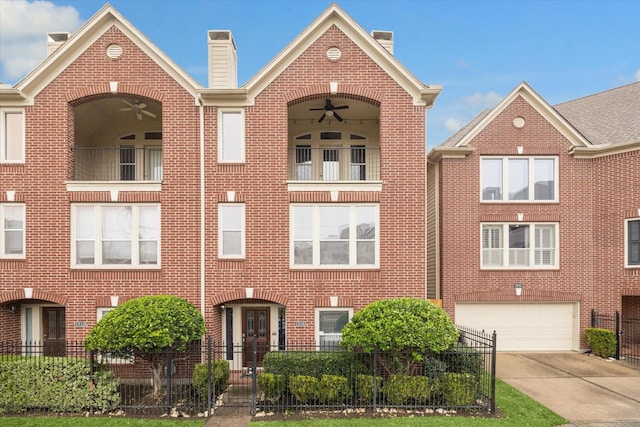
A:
(277, 208)
(541, 198)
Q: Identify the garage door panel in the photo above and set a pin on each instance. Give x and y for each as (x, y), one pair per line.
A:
(523, 326)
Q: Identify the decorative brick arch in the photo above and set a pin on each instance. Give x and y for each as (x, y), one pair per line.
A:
(322, 91)
(103, 90)
(19, 294)
(241, 294)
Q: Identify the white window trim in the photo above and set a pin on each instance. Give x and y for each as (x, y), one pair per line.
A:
(505, 179)
(317, 320)
(107, 358)
(532, 248)
(315, 265)
(3, 254)
(3, 142)
(220, 132)
(243, 232)
(626, 243)
(135, 265)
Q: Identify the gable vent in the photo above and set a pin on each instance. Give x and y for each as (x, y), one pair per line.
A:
(114, 51)
(385, 38)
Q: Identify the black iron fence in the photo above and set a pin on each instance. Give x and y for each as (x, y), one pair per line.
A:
(627, 331)
(250, 377)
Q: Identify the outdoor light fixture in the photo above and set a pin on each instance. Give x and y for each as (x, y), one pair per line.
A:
(222, 308)
(518, 287)
(13, 308)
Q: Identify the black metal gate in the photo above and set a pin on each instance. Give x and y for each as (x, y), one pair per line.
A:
(627, 332)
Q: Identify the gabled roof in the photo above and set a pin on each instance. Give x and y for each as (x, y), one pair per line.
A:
(536, 101)
(610, 117)
(87, 34)
(334, 15)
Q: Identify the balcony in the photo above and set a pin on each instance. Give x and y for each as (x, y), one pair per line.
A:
(355, 166)
(121, 168)
(118, 164)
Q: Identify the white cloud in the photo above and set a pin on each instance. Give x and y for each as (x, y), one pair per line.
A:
(483, 100)
(453, 124)
(23, 33)
(636, 76)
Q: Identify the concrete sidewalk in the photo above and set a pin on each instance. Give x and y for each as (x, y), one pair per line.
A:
(585, 389)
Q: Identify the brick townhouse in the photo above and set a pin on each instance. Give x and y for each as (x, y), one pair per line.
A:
(278, 208)
(534, 217)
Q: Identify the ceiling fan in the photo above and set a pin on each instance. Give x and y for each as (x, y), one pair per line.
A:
(329, 111)
(138, 108)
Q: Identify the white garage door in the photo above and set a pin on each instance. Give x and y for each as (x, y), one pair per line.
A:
(524, 326)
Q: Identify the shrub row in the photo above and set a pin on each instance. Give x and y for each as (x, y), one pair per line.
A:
(452, 389)
(450, 377)
(55, 386)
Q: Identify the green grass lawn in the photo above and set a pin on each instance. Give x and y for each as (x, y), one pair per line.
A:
(517, 409)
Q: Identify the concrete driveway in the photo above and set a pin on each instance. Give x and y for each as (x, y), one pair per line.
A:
(579, 387)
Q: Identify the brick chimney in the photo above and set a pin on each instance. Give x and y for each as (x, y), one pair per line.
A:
(55, 40)
(385, 38)
(223, 60)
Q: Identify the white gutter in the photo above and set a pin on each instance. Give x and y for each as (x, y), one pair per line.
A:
(202, 207)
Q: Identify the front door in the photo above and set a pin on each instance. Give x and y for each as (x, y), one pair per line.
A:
(255, 323)
(54, 331)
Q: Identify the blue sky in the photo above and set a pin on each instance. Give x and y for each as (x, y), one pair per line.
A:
(477, 50)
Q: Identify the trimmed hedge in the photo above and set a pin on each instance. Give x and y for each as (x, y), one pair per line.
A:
(404, 389)
(58, 387)
(219, 377)
(458, 389)
(313, 363)
(601, 341)
(272, 386)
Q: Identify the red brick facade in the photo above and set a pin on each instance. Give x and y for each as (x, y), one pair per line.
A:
(263, 278)
(596, 195)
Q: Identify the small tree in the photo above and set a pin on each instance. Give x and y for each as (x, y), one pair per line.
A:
(148, 327)
(409, 327)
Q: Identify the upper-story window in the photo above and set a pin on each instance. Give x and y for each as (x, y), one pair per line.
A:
(12, 235)
(632, 242)
(11, 136)
(115, 236)
(334, 236)
(231, 136)
(231, 236)
(519, 245)
(519, 179)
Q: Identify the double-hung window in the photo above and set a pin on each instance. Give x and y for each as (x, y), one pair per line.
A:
(231, 136)
(329, 324)
(115, 236)
(632, 242)
(231, 226)
(519, 246)
(519, 179)
(11, 136)
(12, 235)
(334, 236)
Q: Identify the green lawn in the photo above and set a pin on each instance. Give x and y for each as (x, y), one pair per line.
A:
(518, 411)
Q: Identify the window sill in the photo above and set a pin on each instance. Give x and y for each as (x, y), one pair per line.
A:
(519, 202)
(150, 186)
(334, 186)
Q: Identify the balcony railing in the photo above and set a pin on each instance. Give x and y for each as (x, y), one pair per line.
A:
(355, 163)
(118, 164)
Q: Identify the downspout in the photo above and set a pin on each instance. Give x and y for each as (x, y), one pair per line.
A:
(202, 209)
